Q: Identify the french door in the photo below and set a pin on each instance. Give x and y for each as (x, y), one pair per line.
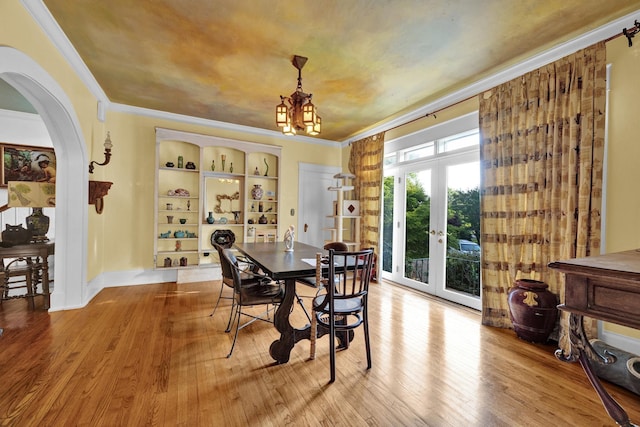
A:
(431, 227)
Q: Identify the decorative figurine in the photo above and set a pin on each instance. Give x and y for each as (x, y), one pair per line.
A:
(213, 165)
(266, 172)
(289, 236)
(224, 158)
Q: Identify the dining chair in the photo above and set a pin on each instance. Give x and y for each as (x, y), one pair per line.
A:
(246, 276)
(18, 273)
(313, 281)
(343, 307)
(255, 289)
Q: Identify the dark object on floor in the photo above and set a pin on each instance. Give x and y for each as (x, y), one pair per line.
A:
(625, 371)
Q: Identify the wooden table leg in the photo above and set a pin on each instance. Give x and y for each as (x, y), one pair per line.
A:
(580, 351)
(280, 349)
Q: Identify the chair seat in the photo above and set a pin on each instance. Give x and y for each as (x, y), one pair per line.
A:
(341, 306)
(261, 294)
(246, 279)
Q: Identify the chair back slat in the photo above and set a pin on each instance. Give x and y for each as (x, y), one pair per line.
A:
(352, 273)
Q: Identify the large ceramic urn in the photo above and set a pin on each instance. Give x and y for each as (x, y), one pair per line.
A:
(533, 310)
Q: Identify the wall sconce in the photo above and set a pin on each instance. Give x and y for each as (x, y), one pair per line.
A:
(107, 153)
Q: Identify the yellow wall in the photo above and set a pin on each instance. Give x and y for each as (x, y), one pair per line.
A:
(622, 229)
(129, 205)
(455, 111)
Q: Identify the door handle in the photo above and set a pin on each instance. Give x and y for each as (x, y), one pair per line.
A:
(306, 227)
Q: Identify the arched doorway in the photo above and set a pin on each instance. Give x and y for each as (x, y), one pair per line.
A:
(57, 112)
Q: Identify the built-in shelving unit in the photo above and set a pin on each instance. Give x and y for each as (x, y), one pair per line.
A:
(203, 184)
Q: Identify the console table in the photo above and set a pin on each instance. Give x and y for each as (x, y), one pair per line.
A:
(39, 253)
(604, 287)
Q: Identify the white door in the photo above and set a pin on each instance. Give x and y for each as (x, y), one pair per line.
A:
(315, 202)
(429, 237)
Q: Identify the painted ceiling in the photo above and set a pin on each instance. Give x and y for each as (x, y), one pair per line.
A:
(369, 60)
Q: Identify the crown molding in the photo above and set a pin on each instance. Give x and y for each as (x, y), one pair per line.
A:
(214, 124)
(52, 30)
(604, 32)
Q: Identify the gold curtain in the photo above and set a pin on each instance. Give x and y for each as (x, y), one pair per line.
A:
(365, 162)
(542, 147)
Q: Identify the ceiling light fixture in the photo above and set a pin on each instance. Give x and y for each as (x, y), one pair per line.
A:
(300, 114)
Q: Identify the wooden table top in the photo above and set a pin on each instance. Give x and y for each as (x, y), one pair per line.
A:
(279, 264)
(623, 265)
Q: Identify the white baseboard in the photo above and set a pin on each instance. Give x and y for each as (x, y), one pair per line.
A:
(623, 342)
(138, 277)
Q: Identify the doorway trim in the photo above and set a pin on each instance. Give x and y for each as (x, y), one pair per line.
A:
(60, 119)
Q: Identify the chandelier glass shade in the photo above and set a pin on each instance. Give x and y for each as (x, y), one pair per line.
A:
(300, 114)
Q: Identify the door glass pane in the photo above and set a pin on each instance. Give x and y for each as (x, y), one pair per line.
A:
(387, 224)
(418, 206)
(463, 229)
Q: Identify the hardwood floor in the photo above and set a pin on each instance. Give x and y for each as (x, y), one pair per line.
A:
(151, 355)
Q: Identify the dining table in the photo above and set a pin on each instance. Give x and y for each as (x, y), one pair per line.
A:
(285, 266)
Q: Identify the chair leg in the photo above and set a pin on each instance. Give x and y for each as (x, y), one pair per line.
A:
(217, 302)
(301, 302)
(332, 347)
(30, 293)
(367, 343)
(232, 316)
(235, 337)
(314, 336)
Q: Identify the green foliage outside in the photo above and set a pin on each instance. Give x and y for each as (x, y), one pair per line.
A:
(463, 222)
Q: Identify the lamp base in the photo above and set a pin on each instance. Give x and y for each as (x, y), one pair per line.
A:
(38, 224)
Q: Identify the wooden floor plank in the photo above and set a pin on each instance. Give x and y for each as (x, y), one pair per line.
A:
(152, 355)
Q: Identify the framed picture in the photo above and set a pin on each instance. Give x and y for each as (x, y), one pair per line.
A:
(25, 163)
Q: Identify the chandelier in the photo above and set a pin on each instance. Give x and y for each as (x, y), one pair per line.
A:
(300, 114)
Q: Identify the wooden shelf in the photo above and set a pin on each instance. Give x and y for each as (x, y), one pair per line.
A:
(211, 191)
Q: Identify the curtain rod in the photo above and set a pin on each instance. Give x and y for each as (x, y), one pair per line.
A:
(628, 33)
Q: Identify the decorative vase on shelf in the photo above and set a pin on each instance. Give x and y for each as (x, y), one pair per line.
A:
(533, 311)
(262, 220)
(257, 192)
(210, 219)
